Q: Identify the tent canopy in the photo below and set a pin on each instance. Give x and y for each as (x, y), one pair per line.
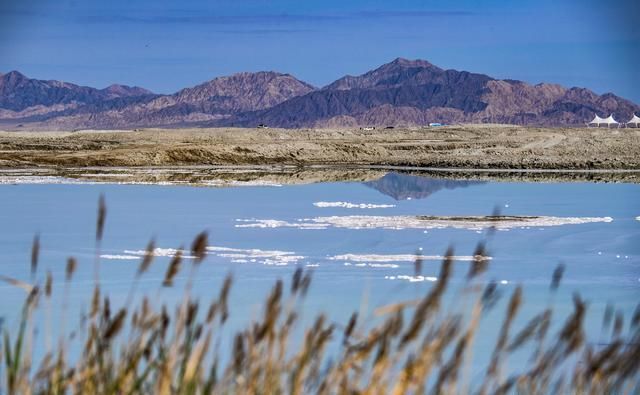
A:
(606, 121)
(635, 119)
(597, 119)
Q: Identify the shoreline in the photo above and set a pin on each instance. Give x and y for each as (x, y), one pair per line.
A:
(269, 175)
(468, 151)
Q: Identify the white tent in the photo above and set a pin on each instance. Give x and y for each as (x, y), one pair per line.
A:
(610, 121)
(596, 120)
(635, 120)
(604, 121)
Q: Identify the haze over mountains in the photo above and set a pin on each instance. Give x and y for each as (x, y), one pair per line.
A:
(400, 93)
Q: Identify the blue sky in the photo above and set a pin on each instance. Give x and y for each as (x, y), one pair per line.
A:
(167, 45)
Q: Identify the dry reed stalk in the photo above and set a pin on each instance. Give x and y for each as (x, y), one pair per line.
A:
(35, 254)
(173, 268)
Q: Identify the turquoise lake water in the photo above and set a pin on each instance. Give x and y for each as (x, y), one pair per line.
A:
(264, 233)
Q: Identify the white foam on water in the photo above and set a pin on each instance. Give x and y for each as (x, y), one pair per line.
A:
(399, 257)
(352, 205)
(119, 257)
(504, 282)
(414, 222)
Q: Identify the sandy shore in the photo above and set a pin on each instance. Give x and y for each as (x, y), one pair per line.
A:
(488, 147)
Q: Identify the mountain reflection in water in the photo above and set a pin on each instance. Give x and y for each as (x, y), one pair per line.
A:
(404, 186)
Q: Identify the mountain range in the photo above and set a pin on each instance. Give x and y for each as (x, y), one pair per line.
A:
(400, 93)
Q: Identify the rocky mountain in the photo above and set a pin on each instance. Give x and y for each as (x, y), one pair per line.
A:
(217, 99)
(400, 93)
(22, 97)
(415, 92)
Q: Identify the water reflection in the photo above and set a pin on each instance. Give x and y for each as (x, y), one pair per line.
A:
(406, 186)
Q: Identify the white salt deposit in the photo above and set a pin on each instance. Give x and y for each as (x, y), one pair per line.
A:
(352, 205)
(254, 255)
(13, 180)
(160, 252)
(413, 222)
(383, 265)
(119, 257)
(412, 279)
(397, 257)
(234, 183)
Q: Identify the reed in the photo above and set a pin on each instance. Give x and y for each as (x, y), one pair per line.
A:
(416, 346)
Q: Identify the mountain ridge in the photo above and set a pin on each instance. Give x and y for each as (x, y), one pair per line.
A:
(402, 92)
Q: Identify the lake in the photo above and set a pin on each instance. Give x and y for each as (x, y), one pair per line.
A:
(358, 238)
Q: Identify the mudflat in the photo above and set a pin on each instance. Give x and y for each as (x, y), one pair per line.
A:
(452, 147)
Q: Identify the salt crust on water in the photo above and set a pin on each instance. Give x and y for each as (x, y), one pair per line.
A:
(235, 255)
(119, 257)
(254, 255)
(12, 180)
(414, 279)
(160, 252)
(352, 205)
(413, 222)
(40, 180)
(378, 265)
(397, 258)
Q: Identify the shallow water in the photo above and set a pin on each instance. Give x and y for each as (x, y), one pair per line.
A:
(357, 266)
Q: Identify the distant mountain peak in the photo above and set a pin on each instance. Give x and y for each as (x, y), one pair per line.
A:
(13, 77)
(410, 63)
(14, 73)
(245, 91)
(397, 72)
(119, 90)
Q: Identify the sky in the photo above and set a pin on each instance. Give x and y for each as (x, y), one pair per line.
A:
(167, 45)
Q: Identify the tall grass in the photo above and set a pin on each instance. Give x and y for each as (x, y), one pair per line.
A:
(415, 346)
